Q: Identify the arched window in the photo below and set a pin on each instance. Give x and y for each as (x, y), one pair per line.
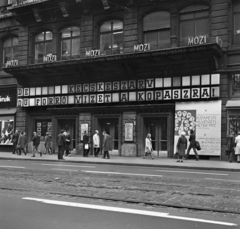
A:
(111, 37)
(236, 22)
(10, 49)
(43, 45)
(156, 29)
(194, 22)
(70, 43)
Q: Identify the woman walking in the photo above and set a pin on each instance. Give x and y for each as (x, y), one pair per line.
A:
(237, 149)
(181, 146)
(148, 146)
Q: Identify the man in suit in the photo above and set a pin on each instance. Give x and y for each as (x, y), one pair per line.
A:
(86, 145)
(21, 143)
(192, 140)
(15, 141)
(61, 145)
(107, 145)
(36, 142)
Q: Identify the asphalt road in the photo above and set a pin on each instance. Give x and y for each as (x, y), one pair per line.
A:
(121, 170)
(17, 211)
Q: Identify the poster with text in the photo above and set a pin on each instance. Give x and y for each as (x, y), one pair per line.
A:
(205, 119)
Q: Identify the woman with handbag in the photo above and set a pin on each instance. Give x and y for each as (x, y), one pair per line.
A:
(181, 146)
(85, 144)
(148, 146)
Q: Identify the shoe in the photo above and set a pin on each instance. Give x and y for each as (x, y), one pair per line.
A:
(33, 155)
(230, 161)
(181, 161)
(178, 160)
(143, 157)
(40, 154)
(197, 159)
(152, 158)
(13, 153)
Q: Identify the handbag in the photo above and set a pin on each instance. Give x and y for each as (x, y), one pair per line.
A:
(86, 146)
(197, 145)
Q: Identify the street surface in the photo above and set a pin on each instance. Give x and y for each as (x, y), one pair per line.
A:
(36, 194)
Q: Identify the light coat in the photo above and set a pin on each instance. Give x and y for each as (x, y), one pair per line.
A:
(237, 141)
(96, 141)
(148, 144)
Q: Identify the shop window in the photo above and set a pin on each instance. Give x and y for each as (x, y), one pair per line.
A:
(236, 22)
(156, 29)
(7, 130)
(43, 46)
(10, 50)
(111, 37)
(70, 43)
(43, 126)
(236, 84)
(234, 124)
(194, 22)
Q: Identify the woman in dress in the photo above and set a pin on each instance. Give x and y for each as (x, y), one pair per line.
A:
(237, 149)
(181, 146)
(148, 146)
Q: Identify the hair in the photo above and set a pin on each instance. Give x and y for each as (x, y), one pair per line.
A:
(104, 132)
(61, 131)
(148, 135)
(191, 131)
(183, 133)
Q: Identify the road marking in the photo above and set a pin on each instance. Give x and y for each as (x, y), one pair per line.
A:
(16, 167)
(116, 173)
(222, 180)
(216, 174)
(127, 210)
(78, 166)
(72, 170)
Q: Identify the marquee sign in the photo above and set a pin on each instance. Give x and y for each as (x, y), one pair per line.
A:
(199, 40)
(11, 63)
(5, 99)
(157, 89)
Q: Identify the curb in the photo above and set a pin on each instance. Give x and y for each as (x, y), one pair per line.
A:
(126, 164)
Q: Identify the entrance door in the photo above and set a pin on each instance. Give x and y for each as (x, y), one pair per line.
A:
(110, 125)
(157, 127)
(68, 125)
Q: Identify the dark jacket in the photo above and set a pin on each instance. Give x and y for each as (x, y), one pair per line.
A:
(182, 145)
(22, 141)
(61, 139)
(36, 140)
(15, 138)
(68, 141)
(107, 143)
(48, 141)
(85, 140)
(230, 144)
(192, 139)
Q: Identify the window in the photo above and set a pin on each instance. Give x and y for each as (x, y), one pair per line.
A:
(111, 37)
(156, 29)
(70, 43)
(10, 49)
(234, 124)
(194, 22)
(7, 129)
(43, 45)
(236, 84)
(236, 22)
(42, 127)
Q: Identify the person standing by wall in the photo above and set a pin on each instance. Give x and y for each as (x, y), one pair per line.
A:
(107, 145)
(68, 141)
(15, 141)
(85, 144)
(192, 145)
(96, 143)
(36, 142)
(237, 149)
(181, 146)
(61, 145)
(47, 143)
(21, 143)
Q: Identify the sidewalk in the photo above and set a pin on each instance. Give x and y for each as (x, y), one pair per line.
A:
(131, 161)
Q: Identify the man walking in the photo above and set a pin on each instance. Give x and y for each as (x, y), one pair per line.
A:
(15, 141)
(21, 143)
(192, 140)
(68, 141)
(85, 144)
(107, 145)
(96, 143)
(61, 145)
(36, 142)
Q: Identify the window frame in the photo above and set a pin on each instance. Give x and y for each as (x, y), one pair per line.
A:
(111, 33)
(236, 37)
(11, 47)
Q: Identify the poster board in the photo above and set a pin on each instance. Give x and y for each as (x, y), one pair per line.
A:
(128, 132)
(205, 119)
(84, 127)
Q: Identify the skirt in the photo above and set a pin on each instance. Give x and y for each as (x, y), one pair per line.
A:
(237, 150)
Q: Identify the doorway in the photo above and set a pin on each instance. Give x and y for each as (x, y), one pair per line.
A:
(68, 125)
(111, 126)
(157, 127)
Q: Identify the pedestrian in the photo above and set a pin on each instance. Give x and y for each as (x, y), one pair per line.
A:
(21, 144)
(47, 143)
(68, 141)
(96, 143)
(36, 142)
(237, 149)
(181, 146)
(148, 146)
(107, 145)
(15, 141)
(192, 145)
(230, 146)
(26, 143)
(61, 145)
(86, 145)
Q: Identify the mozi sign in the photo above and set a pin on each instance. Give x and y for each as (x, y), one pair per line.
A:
(93, 53)
(200, 40)
(141, 48)
(11, 63)
(49, 58)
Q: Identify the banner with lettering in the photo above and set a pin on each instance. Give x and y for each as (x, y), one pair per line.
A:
(205, 119)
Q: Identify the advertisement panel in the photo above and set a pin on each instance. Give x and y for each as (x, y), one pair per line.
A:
(205, 119)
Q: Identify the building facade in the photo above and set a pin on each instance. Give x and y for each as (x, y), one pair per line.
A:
(129, 67)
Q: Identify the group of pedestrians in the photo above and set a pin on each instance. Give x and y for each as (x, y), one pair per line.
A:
(106, 144)
(63, 141)
(19, 143)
